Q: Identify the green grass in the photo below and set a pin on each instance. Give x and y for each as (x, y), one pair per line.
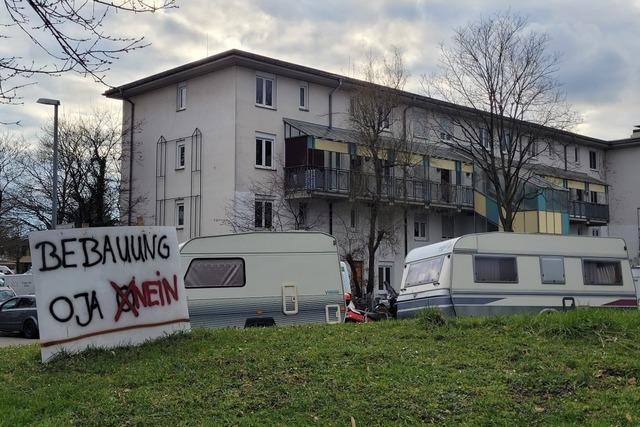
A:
(572, 368)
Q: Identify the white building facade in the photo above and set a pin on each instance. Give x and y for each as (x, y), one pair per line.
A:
(218, 144)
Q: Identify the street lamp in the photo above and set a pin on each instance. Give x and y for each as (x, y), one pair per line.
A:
(54, 201)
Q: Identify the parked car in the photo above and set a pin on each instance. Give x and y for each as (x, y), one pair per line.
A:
(19, 315)
(6, 293)
(505, 273)
(5, 270)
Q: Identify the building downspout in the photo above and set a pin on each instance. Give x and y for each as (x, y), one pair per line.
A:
(129, 199)
(331, 102)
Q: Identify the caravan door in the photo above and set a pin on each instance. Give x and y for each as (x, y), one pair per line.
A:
(289, 299)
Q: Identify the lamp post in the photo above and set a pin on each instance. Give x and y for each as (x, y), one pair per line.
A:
(54, 198)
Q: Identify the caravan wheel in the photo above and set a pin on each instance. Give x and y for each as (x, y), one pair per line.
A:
(548, 311)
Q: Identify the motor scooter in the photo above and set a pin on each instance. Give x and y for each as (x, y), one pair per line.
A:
(384, 309)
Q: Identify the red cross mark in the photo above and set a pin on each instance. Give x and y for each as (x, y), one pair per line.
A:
(123, 298)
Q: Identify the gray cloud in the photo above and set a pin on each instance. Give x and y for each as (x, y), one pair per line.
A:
(598, 41)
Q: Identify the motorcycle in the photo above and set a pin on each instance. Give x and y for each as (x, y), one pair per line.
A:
(384, 308)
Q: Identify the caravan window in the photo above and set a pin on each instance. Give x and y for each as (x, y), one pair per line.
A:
(552, 269)
(215, 273)
(598, 272)
(495, 269)
(427, 271)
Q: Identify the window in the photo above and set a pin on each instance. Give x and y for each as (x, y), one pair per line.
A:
(384, 276)
(552, 270)
(424, 272)
(593, 160)
(263, 214)
(353, 222)
(215, 273)
(302, 214)
(304, 96)
(446, 129)
(180, 154)
(179, 214)
(593, 196)
(484, 137)
(10, 304)
(386, 122)
(495, 269)
(599, 272)
(27, 303)
(506, 141)
(595, 232)
(421, 229)
(532, 148)
(447, 227)
(576, 154)
(264, 152)
(264, 91)
(181, 98)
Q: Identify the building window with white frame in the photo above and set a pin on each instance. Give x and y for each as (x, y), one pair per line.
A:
(421, 229)
(263, 217)
(593, 160)
(576, 154)
(265, 90)
(446, 129)
(353, 219)
(181, 97)
(303, 96)
(484, 136)
(264, 151)
(448, 227)
(180, 154)
(179, 214)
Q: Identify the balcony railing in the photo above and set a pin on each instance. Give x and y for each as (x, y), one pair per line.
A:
(363, 185)
(589, 211)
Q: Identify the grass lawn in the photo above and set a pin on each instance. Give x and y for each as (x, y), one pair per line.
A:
(580, 367)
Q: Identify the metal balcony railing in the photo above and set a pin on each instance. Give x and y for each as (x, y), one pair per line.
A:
(365, 186)
(589, 211)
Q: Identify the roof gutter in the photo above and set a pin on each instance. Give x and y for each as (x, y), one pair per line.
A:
(131, 126)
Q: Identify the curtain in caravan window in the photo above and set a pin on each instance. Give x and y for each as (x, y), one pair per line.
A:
(602, 272)
(423, 272)
(495, 269)
(215, 273)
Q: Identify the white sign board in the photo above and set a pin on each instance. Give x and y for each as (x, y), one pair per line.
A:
(106, 287)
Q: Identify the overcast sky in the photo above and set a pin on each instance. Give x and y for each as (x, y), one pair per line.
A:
(598, 40)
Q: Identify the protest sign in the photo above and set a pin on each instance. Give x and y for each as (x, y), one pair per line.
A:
(106, 287)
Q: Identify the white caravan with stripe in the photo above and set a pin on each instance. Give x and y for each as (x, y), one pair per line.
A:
(262, 279)
(504, 273)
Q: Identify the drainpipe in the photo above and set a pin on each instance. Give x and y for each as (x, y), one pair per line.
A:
(129, 201)
(331, 102)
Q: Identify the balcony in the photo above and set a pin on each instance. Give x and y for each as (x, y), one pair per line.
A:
(589, 212)
(305, 180)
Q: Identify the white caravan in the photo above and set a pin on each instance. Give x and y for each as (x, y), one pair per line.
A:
(504, 273)
(262, 279)
(22, 284)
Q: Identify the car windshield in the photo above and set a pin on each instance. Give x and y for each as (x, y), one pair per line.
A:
(422, 272)
(6, 295)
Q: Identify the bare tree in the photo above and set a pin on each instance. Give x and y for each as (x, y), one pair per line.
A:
(375, 117)
(71, 34)
(276, 211)
(89, 174)
(503, 73)
(11, 153)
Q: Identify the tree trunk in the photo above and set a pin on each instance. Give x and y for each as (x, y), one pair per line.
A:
(372, 247)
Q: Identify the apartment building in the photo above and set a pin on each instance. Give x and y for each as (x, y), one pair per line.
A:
(622, 161)
(236, 133)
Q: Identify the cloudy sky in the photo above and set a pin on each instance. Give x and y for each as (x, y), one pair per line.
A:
(598, 41)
